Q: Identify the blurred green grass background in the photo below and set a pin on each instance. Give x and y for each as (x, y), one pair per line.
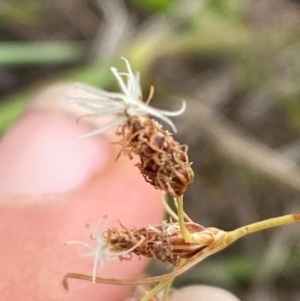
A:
(239, 60)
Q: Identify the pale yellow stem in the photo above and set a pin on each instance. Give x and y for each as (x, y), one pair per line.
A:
(187, 218)
(167, 290)
(184, 231)
(232, 236)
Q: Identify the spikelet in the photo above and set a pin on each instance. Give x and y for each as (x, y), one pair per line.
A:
(163, 242)
(164, 162)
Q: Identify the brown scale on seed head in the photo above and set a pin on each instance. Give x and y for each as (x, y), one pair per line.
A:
(164, 162)
(163, 242)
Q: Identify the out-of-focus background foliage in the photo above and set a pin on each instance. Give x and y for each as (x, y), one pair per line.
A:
(237, 63)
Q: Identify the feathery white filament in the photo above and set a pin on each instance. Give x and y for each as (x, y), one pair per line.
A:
(100, 250)
(122, 105)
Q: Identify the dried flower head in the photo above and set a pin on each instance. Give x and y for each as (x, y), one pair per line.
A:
(163, 242)
(164, 162)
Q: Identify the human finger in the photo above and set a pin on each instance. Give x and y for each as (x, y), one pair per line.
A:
(51, 185)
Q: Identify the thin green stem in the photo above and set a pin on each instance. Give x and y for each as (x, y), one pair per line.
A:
(184, 231)
(262, 225)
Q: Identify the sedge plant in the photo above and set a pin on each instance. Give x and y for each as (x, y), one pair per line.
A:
(164, 163)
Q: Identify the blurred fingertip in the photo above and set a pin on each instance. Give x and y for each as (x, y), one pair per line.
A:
(40, 154)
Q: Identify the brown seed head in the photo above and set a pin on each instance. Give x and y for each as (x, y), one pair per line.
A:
(163, 242)
(164, 162)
